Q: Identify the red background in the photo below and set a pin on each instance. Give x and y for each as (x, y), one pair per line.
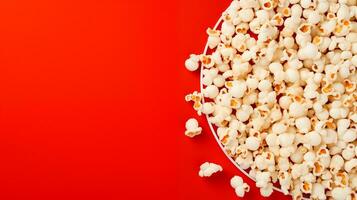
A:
(92, 101)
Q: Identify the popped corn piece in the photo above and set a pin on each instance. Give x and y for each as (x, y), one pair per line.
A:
(267, 190)
(192, 63)
(192, 128)
(207, 169)
(239, 186)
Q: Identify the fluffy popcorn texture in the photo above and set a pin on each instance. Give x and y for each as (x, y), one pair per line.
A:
(207, 169)
(281, 75)
(192, 128)
(239, 186)
(192, 64)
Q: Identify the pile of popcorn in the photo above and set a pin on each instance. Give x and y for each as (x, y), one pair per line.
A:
(279, 84)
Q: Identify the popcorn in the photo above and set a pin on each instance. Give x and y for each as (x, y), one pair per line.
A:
(207, 108)
(318, 191)
(318, 168)
(196, 98)
(313, 138)
(284, 104)
(351, 164)
(340, 193)
(286, 139)
(238, 89)
(296, 109)
(207, 169)
(211, 91)
(341, 179)
(309, 51)
(336, 163)
(206, 61)
(246, 15)
(252, 143)
(303, 124)
(192, 63)
(350, 135)
(348, 152)
(306, 187)
(228, 28)
(263, 179)
(192, 128)
(239, 186)
(213, 38)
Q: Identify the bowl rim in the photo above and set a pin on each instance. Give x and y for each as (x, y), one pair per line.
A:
(211, 125)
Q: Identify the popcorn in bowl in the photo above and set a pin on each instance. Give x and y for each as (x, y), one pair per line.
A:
(278, 87)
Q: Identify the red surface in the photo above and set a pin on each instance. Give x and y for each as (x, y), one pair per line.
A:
(92, 101)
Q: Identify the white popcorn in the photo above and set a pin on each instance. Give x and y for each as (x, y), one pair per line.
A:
(343, 12)
(292, 75)
(297, 110)
(297, 156)
(246, 15)
(272, 140)
(349, 136)
(207, 108)
(244, 113)
(322, 6)
(264, 85)
(329, 136)
(284, 104)
(192, 128)
(207, 169)
(252, 143)
(336, 163)
(318, 191)
(266, 191)
(238, 90)
(192, 63)
(286, 139)
(309, 51)
(263, 179)
(228, 29)
(351, 164)
(275, 67)
(313, 138)
(236, 181)
(239, 186)
(314, 17)
(340, 193)
(211, 91)
(296, 11)
(248, 4)
(219, 81)
(303, 124)
(213, 38)
(349, 152)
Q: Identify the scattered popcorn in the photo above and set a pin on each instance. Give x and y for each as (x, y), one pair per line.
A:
(239, 186)
(192, 63)
(279, 84)
(197, 101)
(192, 128)
(207, 169)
